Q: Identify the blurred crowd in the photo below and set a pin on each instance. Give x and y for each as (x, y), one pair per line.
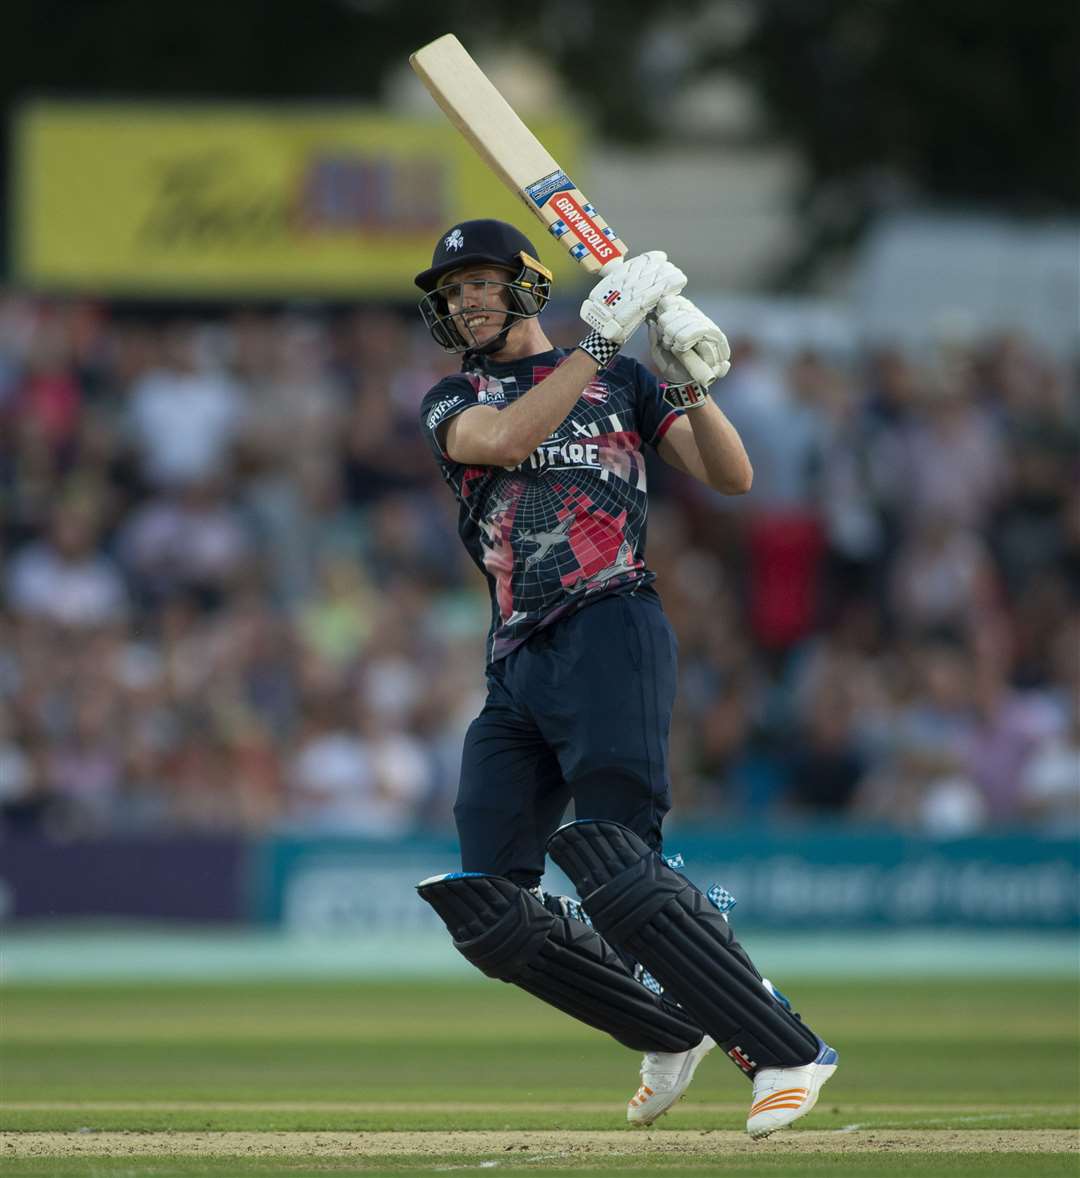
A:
(233, 597)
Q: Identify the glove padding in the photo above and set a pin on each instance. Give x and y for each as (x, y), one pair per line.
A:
(629, 289)
(685, 344)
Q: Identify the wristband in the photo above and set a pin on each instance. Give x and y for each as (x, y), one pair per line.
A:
(685, 396)
(602, 350)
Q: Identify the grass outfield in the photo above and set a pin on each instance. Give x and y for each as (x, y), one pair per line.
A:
(936, 1078)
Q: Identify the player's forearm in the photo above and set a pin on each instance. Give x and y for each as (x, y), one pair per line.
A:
(724, 460)
(532, 418)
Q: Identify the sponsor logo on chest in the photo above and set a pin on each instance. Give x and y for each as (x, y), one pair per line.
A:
(558, 455)
(493, 389)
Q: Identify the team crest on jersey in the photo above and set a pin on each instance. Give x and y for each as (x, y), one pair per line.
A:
(454, 240)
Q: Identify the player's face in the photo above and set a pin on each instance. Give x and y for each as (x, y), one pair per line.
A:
(477, 297)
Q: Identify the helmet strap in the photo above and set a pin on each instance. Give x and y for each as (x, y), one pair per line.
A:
(477, 357)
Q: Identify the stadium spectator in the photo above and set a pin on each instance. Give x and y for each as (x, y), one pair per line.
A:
(193, 542)
(942, 578)
(952, 457)
(184, 416)
(301, 519)
(64, 578)
(1049, 789)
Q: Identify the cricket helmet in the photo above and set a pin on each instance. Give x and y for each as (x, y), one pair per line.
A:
(483, 243)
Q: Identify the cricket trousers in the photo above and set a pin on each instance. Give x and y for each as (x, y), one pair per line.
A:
(580, 712)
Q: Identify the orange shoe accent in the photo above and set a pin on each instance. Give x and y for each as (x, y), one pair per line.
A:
(773, 1097)
(784, 1093)
(779, 1098)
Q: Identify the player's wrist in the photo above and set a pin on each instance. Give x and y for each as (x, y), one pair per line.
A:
(603, 351)
(691, 395)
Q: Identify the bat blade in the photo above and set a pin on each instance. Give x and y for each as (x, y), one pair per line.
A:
(513, 152)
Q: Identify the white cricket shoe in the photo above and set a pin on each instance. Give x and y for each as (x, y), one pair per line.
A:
(782, 1095)
(665, 1076)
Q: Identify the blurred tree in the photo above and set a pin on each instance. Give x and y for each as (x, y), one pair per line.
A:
(970, 100)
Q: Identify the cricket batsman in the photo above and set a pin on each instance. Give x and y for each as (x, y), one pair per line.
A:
(543, 449)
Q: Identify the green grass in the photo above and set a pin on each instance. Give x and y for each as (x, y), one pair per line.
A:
(979, 1055)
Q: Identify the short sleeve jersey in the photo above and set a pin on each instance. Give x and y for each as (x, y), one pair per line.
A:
(568, 523)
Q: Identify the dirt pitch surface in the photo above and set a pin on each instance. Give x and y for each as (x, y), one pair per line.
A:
(533, 1146)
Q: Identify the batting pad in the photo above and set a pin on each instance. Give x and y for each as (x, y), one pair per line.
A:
(651, 912)
(508, 934)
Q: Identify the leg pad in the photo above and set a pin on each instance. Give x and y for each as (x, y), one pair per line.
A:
(649, 911)
(507, 933)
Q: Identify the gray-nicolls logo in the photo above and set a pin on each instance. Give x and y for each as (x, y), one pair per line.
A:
(454, 240)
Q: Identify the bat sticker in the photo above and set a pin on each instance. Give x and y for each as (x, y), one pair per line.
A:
(544, 189)
(594, 238)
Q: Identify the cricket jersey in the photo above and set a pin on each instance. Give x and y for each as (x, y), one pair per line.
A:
(568, 523)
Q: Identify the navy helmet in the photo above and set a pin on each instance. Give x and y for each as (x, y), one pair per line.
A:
(483, 243)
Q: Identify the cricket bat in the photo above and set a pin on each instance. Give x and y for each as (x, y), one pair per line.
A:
(513, 152)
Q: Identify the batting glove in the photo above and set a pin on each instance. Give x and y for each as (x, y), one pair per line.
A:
(685, 344)
(627, 292)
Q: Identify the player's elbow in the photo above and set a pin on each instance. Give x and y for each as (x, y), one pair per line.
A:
(739, 481)
(512, 457)
(511, 449)
(484, 440)
(488, 453)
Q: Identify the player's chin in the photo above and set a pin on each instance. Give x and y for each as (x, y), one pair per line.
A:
(481, 333)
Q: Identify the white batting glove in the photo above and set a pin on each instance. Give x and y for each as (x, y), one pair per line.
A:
(685, 344)
(629, 289)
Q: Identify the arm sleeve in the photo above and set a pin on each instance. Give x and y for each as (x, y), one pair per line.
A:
(451, 396)
(655, 415)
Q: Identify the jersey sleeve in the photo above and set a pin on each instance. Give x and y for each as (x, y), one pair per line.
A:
(451, 396)
(655, 415)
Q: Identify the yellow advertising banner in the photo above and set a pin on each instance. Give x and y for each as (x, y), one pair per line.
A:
(223, 200)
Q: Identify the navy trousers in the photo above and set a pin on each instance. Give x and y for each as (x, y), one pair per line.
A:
(580, 712)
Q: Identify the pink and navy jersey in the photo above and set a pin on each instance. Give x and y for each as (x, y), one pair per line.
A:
(567, 524)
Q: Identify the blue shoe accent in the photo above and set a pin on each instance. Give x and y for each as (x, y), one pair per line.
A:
(827, 1055)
